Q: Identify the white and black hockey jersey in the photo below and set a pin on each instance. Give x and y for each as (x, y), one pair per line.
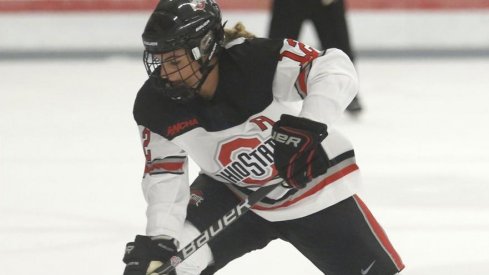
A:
(229, 137)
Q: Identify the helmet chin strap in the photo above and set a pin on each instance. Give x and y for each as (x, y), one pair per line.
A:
(184, 94)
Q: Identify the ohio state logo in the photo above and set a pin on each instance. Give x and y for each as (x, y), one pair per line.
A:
(246, 160)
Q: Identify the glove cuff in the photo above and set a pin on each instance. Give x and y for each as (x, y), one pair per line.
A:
(318, 128)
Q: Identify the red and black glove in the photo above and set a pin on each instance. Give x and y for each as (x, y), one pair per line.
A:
(298, 154)
(147, 250)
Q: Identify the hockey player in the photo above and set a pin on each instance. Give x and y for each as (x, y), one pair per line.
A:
(222, 100)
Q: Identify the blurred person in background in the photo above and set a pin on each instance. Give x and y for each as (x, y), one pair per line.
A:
(328, 17)
(219, 96)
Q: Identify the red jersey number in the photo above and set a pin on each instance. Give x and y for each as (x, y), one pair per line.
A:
(146, 139)
(309, 52)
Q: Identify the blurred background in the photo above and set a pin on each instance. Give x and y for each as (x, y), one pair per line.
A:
(70, 28)
(71, 159)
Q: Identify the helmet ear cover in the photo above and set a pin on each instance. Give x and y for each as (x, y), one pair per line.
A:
(176, 91)
(206, 47)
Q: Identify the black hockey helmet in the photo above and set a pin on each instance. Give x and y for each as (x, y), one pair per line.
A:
(192, 25)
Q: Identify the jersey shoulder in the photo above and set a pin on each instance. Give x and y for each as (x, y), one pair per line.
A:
(255, 53)
(160, 114)
(247, 72)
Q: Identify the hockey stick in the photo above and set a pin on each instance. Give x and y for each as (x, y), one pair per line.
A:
(215, 229)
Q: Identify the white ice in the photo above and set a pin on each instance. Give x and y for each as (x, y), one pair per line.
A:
(71, 163)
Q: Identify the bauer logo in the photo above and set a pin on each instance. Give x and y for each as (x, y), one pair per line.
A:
(212, 231)
(246, 161)
(286, 139)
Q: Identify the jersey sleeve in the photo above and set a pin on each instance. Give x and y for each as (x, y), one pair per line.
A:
(326, 81)
(165, 184)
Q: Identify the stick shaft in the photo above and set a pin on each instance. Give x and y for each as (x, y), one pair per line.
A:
(216, 228)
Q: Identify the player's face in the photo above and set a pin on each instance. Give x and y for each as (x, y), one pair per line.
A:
(180, 69)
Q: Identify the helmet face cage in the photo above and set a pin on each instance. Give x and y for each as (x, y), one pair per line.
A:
(179, 80)
(190, 75)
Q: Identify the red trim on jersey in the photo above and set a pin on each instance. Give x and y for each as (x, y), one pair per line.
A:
(301, 81)
(168, 166)
(328, 180)
(309, 54)
(379, 233)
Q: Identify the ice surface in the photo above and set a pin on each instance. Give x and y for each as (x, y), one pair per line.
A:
(71, 162)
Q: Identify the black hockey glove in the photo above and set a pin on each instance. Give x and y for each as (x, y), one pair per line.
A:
(140, 253)
(298, 154)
